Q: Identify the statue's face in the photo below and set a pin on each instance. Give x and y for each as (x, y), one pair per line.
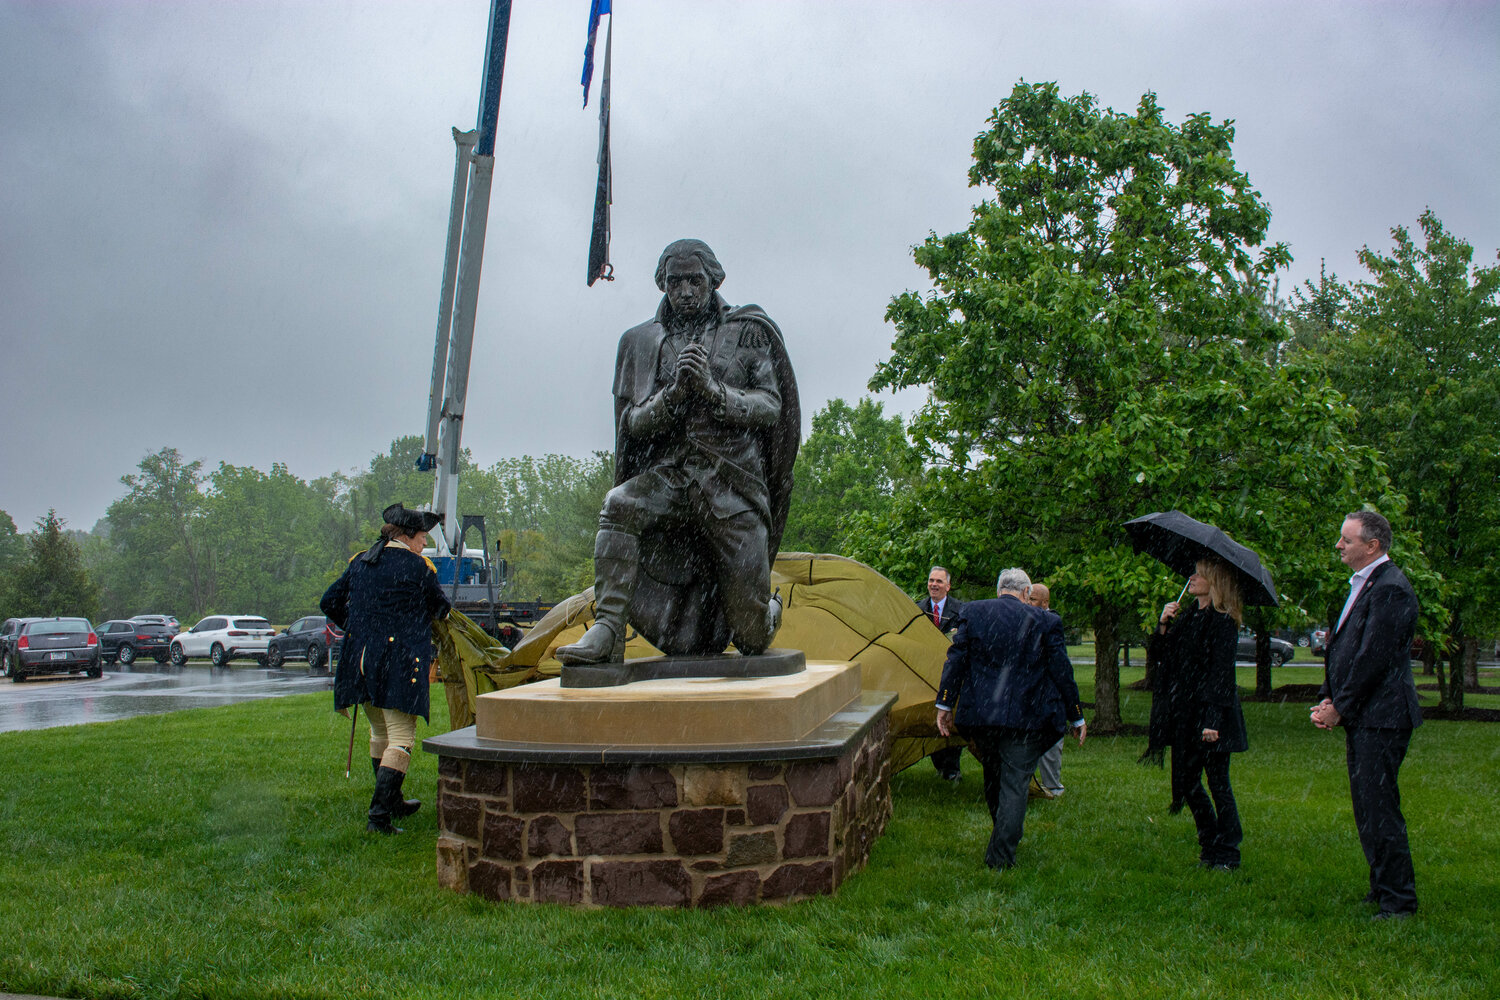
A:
(688, 287)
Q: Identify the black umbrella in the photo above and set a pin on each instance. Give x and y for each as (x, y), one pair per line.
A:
(1180, 541)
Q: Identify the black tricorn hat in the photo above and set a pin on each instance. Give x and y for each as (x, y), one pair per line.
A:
(411, 520)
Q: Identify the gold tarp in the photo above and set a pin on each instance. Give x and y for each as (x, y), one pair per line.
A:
(835, 609)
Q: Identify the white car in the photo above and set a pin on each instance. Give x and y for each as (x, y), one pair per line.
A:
(221, 638)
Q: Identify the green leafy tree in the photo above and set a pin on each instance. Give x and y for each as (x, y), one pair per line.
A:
(51, 580)
(1422, 369)
(853, 464)
(156, 528)
(12, 546)
(269, 540)
(1096, 348)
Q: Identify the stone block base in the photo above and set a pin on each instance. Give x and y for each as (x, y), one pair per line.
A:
(670, 827)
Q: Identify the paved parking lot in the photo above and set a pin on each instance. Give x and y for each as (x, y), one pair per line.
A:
(44, 702)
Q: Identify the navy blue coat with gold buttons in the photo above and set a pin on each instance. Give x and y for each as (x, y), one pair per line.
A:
(386, 609)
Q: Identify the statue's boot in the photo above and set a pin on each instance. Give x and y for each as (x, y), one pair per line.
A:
(773, 625)
(616, 562)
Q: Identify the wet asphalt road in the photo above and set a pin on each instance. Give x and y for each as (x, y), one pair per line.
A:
(71, 700)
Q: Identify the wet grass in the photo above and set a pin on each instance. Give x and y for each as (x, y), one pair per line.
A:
(221, 853)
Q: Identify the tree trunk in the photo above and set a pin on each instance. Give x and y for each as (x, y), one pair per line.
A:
(1432, 659)
(1471, 663)
(1262, 663)
(1106, 671)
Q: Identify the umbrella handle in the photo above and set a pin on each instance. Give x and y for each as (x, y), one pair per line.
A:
(1184, 592)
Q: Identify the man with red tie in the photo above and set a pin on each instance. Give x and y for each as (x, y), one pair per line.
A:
(1368, 690)
(942, 611)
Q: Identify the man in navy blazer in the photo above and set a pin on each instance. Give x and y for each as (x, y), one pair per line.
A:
(1368, 689)
(1008, 686)
(941, 608)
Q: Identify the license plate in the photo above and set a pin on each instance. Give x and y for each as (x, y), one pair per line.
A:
(57, 656)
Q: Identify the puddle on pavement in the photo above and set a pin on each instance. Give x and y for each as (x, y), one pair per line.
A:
(43, 703)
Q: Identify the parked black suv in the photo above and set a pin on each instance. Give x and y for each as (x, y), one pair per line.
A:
(311, 639)
(123, 640)
(55, 646)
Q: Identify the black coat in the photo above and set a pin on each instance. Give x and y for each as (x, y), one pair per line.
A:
(949, 617)
(386, 609)
(1008, 667)
(1369, 657)
(1193, 685)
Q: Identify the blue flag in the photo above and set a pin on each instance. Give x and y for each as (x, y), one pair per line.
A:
(598, 9)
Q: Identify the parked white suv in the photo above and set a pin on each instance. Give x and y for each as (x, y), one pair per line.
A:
(221, 638)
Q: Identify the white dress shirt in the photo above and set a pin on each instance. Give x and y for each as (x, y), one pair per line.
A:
(1357, 584)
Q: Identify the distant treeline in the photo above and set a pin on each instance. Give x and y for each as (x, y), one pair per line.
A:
(188, 542)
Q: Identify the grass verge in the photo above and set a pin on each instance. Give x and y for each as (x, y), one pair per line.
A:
(220, 853)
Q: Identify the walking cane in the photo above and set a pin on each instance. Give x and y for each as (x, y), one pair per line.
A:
(353, 722)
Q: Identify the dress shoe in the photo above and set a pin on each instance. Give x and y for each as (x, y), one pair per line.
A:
(1392, 915)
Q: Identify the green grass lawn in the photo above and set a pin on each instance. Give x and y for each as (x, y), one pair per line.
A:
(221, 853)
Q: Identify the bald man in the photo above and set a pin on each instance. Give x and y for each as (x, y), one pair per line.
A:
(1048, 782)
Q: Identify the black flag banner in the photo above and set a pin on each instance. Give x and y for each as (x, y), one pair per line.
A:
(599, 265)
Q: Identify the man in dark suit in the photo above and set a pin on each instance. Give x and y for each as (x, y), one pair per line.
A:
(1368, 689)
(1009, 687)
(942, 610)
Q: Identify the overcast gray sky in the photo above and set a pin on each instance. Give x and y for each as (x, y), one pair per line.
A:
(222, 224)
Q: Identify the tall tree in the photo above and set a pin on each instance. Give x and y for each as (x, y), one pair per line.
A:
(157, 528)
(51, 580)
(852, 465)
(1095, 348)
(12, 545)
(1422, 369)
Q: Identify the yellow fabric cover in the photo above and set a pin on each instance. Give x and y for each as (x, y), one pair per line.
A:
(834, 609)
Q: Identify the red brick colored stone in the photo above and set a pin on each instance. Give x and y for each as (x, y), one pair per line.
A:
(618, 833)
(806, 836)
(697, 831)
(734, 817)
(730, 889)
(547, 835)
(487, 778)
(548, 789)
(640, 883)
(764, 771)
(751, 849)
(490, 880)
(765, 804)
(459, 814)
(814, 782)
(557, 882)
(644, 787)
(502, 836)
(799, 880)
(451, 767)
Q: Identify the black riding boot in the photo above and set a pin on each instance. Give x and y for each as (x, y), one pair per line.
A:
(387, 792)
(616, 560)
(403, 807)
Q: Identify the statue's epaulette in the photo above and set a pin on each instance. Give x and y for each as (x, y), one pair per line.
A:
(754, 337)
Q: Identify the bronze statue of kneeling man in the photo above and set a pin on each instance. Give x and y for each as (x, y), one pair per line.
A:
(707, 425)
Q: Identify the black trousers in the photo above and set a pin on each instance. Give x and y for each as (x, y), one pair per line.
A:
(1214, 811)
(1374, 758)
(1009, 758)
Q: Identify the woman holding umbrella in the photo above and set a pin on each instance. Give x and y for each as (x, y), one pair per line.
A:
(1195, 708)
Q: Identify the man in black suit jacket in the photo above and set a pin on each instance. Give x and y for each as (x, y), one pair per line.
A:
(1009, 687)
(941, 608)
(1368, 689)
